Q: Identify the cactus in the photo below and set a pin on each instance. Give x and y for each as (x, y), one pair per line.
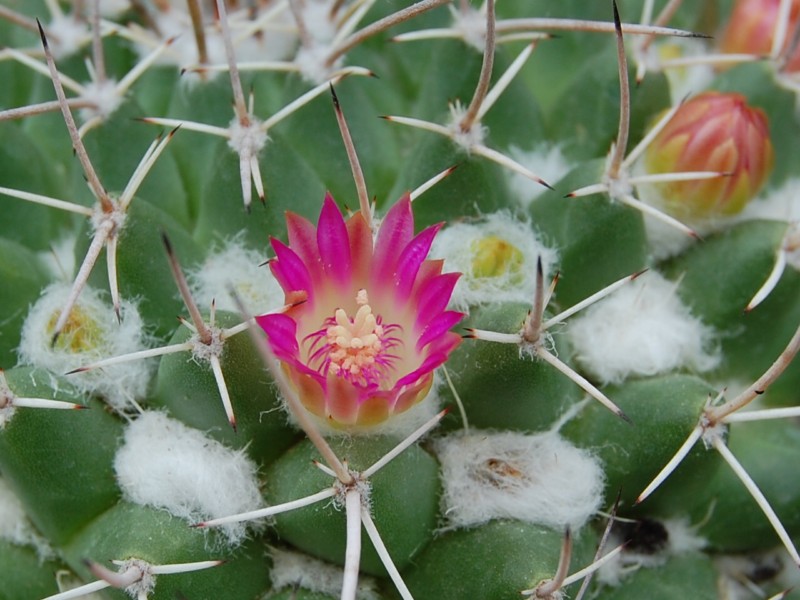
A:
(515, 330)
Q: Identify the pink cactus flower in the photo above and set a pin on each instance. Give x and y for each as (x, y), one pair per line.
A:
(717, 132)
(375, 324)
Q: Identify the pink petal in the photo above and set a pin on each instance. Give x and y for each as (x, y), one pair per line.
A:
(302, 238)
(289, 269)
(395, 233)
(374, 409)
(333, 243)
(431, 361)
(438, 326)
(281, 333)
(429, 270)
(411, 259)
(310, 389)
(444, 344)
(433, 298)
(342, 400)
(414, 394)
(360, 248)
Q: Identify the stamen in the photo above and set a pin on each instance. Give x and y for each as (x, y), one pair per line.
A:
(356, 349)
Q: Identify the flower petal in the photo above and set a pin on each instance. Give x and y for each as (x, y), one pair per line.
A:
(333, 242)
(411, 259)
(360, 248)
(432, 361)
(310, 390)
(429, 270)
(303, 239)
(374, 410)
(433, 298)
(342, 400)
(413, 394)
(289, 270)
(281, 332)
(396, 231)
(437, 327)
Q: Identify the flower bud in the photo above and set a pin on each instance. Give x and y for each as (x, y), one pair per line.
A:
(494, 257)
(712, 132)
(752, 26)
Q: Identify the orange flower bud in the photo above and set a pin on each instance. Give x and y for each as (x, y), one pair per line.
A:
(751, 29)
(712, 132)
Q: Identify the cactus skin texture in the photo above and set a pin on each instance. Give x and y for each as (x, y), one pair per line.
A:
(516, 330)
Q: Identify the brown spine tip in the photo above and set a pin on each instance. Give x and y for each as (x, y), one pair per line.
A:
(335, 99)
(617, 21)
(42, 35)
(167, 243)
(624, 417)
(542, 182)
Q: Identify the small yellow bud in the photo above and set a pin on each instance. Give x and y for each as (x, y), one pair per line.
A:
(81, 332)
(493, 257)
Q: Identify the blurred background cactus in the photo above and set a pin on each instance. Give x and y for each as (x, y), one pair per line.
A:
(575, 228)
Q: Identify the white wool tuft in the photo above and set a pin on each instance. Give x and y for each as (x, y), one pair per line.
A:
(780, 204)
(455, 244)
(15, 527)
(641, 329)
(665, 241)
(293, 569)
(165, 464)
(536, 478)
(247, 140)
(682, 536)
(474, 136)
(120, 384)
(681, 539)
(103, 95)
(182, 52)
(471, 24)
(311, 59)
(546, 161)
(235, 264)
(67, 35)
(316, 16)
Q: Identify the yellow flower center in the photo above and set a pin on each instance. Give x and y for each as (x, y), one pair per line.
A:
(354, 348)
(354, 344)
